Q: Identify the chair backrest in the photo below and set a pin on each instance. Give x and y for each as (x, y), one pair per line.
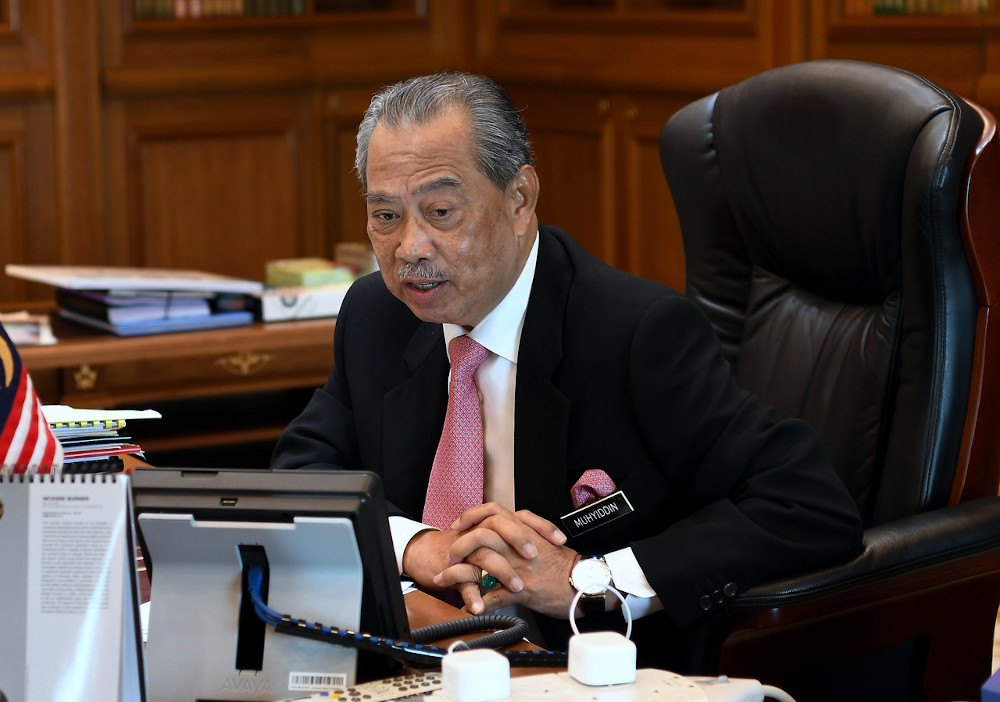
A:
(823, 207)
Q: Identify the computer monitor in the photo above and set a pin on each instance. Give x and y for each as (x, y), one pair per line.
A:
(324, 539)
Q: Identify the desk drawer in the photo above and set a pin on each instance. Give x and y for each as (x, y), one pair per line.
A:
(225, 394)
(247, 369)
(240, 370)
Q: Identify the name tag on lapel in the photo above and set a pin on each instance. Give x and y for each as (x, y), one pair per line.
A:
(596, 514)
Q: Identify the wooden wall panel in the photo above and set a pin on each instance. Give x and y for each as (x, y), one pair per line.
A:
(227, 202)
(29, 204)
(680, 52)
(601, 86)
(573, 143)
(79, 167)
(125, 126)
(650, 232)
(343, 110)
(29, 207)
(11, 214)
(221, 184)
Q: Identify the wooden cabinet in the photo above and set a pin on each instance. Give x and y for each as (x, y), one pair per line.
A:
(597, 155)
(946, 47)
(218, 127)
(186, 133)
(28, 184)
(212, 141)
(220, 133)
(596, 82)
(225, 394)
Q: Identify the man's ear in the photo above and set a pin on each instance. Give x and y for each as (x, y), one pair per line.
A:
(525, 194)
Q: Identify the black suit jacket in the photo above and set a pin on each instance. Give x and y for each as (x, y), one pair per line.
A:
(614, 372)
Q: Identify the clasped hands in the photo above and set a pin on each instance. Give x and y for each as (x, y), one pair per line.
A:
(524, 552)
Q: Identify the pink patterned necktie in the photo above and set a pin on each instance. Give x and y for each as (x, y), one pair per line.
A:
(456, 481)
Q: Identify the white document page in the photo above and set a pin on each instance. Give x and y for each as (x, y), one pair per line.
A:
(77, 535)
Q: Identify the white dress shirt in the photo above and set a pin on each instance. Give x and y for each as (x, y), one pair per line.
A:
(500, 333)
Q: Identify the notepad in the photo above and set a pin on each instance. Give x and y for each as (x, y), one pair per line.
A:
(131, 278)
(69, 612)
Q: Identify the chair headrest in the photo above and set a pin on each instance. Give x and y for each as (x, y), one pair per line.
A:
(828, 211)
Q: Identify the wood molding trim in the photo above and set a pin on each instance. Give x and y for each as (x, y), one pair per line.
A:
(26, 85)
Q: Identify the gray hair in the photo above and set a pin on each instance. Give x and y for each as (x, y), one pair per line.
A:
(500, 140)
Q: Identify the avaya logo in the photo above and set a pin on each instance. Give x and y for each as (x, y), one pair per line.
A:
(251, 685)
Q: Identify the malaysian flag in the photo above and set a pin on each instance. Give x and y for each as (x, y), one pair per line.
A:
(26, 441)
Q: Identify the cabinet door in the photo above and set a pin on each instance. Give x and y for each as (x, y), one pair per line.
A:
(214, 183)
(572, 138)
(650, 243)
(598, 160)
(29, 186)
(346, 210)
(27, 194)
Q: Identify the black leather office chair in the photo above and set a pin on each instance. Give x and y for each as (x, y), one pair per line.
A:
(841, 226)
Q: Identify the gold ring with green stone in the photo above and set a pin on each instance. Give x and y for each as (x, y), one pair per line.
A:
(488, 582)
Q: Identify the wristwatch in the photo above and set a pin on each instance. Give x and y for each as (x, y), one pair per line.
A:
(591, 576)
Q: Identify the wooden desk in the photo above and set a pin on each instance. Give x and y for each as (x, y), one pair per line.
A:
(214, 388)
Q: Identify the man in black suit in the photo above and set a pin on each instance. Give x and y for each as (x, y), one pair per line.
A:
(590, 369)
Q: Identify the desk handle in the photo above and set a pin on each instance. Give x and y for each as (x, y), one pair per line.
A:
(85, 377)
(244, 363)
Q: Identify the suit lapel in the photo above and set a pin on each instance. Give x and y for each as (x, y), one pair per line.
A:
(413, 414)
(541, 410)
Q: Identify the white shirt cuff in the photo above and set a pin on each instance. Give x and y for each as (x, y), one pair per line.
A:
(629, 579)
(402, 530)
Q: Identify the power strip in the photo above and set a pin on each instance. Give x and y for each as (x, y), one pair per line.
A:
(411, 685)
(650, 685)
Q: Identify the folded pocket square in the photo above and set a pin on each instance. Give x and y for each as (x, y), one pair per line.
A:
(592, 485)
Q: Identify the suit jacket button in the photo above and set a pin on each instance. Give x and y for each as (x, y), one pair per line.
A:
(717, 596)
(705, 602)
(730, 590)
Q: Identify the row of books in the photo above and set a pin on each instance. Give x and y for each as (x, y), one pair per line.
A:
(195, 9)
(94, 441)
(867, 8)
(128, 314)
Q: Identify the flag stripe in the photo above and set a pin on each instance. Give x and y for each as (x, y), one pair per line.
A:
(27, 444)
(14, 430)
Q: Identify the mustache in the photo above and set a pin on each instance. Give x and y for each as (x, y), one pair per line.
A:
(420, 270)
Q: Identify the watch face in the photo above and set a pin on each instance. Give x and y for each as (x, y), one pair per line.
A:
(591, 576)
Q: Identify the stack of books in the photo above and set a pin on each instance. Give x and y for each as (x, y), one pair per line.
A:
(94, 441)
(305, 288)
(132, 301)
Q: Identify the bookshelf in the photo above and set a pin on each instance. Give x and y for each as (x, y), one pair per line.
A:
(954, 8)
(627, 6)
(168, 10)
(143, 12)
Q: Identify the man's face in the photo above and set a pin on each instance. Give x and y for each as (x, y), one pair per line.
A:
(449, 243)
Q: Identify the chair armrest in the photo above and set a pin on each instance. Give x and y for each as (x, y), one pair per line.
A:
(891, 550)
